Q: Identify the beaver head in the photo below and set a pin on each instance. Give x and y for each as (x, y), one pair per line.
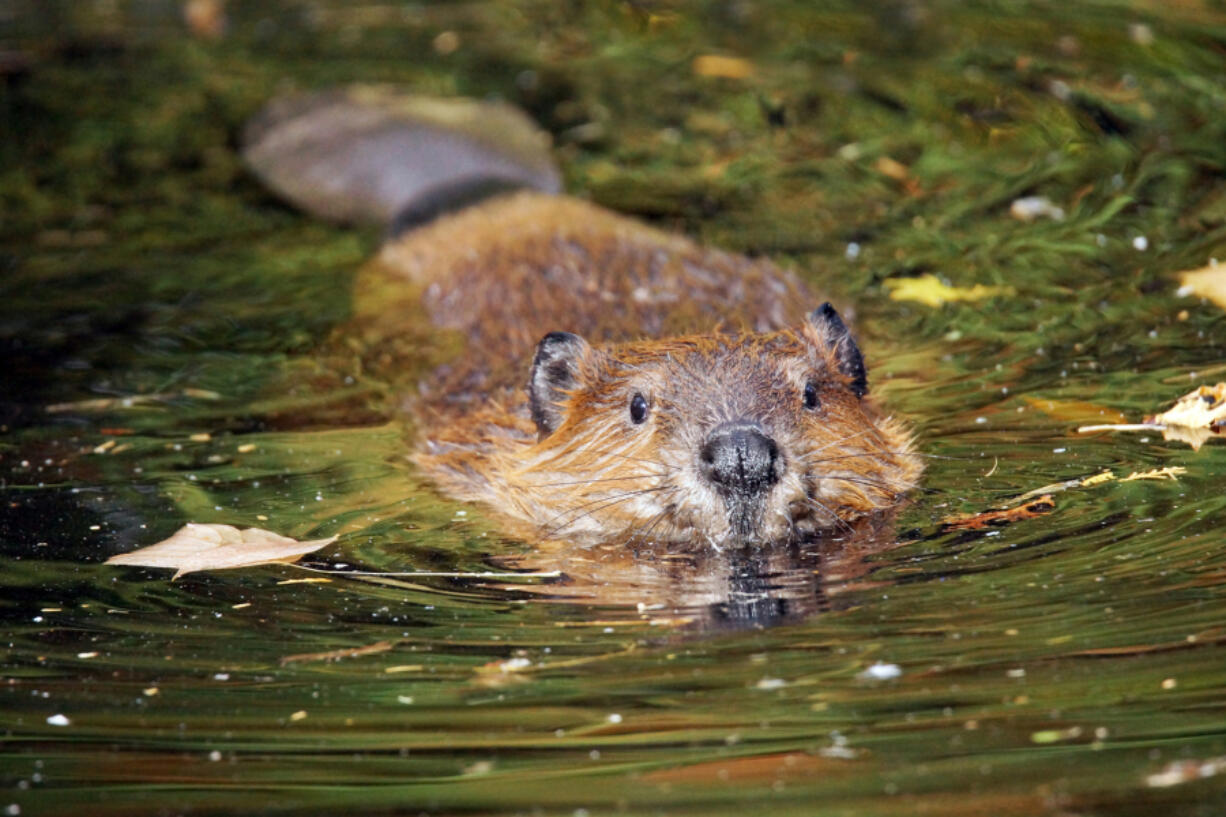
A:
(726, 438)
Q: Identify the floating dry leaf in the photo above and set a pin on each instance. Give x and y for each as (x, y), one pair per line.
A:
(891, 168)
(1194, 419)
(932, 291)
(1204, 407)
(713, 65)
(1075, 410)
(978, 521)
(196, 547)
(1207, 282)
(205, 18)
(1171, 472)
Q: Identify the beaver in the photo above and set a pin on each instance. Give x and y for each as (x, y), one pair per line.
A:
(616, 383)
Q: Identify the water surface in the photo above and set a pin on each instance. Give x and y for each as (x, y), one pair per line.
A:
(1069, 664)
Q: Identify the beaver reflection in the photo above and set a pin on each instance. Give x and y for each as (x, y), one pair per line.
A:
(708, 589)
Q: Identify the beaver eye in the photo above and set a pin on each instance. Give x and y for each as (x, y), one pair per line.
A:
(638, 409)
(812, 401)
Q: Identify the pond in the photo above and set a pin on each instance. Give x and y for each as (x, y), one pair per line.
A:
(179, 347)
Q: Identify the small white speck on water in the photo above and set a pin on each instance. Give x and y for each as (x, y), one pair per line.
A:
(881, 671)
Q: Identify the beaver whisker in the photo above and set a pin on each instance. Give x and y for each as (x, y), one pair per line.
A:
(885, 453)
(556, 529)
(644, 537)
(842, 440)
(818, 505)
(610, 453)
(874, 454)
(872, 483)
(626, 478)
(619, 498)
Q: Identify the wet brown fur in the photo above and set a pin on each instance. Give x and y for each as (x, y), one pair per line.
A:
(705, 336)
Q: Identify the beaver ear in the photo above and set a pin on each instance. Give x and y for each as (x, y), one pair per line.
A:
(555, 370)
(835, 334)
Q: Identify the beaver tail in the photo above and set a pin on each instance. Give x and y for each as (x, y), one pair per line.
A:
(375, 155)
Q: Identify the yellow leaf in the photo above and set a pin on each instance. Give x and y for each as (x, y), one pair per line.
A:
(1206, 282)
(1076, 410)
(218, 547)
(1171, 472)
(713, 65)
(891, 168)
(931, 291)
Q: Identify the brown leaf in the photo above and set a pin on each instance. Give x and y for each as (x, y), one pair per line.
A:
(713, 65)
(978, 521)
(218, 547)
(1077, 411)
(1206, 282)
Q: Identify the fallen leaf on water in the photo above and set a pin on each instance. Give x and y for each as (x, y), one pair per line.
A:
(1203, 407)
(978, 521)
(1171, 472)
(1194, 419)
(896, 170)
(196, 547)
(1207, 282)
(1075, 410)
(891, 168)
(205, 18)
(713, 65)
(932, 291)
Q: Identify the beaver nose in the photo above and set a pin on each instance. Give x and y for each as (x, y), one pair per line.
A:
(739, 457)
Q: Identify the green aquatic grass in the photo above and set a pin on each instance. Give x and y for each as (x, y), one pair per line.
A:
(1047, 667)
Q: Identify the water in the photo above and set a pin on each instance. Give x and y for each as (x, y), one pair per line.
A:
(1070, 664)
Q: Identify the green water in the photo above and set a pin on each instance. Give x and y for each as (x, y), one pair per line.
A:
(1070, 664)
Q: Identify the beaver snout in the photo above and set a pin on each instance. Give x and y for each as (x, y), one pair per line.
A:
(738, 457)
